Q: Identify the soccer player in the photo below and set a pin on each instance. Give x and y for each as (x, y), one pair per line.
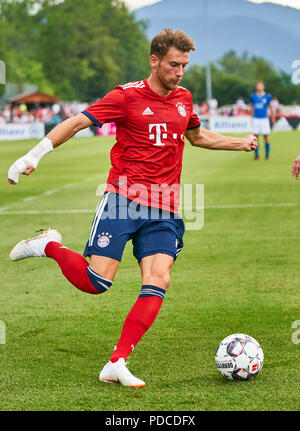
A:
(153, 116)
(259, 111)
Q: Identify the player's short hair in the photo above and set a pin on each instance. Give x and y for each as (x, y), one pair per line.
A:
(163, 41)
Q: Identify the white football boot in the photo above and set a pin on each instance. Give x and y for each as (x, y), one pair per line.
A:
(34, 247)
(117, 372)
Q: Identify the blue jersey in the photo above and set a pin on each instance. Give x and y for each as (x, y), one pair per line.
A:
(260, 104)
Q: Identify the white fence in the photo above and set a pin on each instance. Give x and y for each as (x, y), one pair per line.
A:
(219, 124)
(13, 132)
(222, 124)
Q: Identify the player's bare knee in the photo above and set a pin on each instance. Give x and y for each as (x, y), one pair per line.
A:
(166, 281)
(104, 266)
(164, 277)
(160, 280)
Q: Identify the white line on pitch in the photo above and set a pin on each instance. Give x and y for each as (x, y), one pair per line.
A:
(91, 211)
(52, 191)
(263, 205)
(29, 212)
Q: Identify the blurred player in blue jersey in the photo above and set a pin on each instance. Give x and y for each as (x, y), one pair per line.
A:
(259, 111)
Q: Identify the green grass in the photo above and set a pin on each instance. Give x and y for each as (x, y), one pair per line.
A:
(239, 273)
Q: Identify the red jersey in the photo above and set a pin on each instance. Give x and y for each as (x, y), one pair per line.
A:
(147, 156)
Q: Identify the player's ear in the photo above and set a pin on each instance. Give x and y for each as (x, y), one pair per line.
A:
(154, 61)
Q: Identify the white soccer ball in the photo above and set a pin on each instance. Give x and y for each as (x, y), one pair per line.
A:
(239, 357)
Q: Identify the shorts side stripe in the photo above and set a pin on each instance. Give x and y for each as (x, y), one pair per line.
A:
(97, 218)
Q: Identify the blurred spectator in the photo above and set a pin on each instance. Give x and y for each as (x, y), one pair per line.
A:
(66, 111)
(276, 106)
(2, 119)
(197, 109)
(22, 108)
(49, 114)
(54, 120)
(204, 110)
(43, 114)
(54, 114)
(213, 105)
(24, 118)
(6, 113)
(241, 104)
(16, 114)
(55, 108)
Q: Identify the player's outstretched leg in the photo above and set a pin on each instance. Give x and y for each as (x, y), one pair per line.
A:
(138, 321)
(155, 272)
(73, 265)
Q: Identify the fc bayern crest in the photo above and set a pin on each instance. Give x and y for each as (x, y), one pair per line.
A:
(103, 241)
(181, 109)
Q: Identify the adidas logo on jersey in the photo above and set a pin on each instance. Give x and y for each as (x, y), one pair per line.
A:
(148, 112)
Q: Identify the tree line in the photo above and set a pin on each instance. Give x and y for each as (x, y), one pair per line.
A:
(235, 76)
(76, 49)
(80, 49)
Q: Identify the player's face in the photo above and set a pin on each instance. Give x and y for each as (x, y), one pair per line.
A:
(170, 69)
(260, 87)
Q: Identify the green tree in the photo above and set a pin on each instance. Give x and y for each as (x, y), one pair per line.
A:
(194, 80)
(229, 87)
(234, 76)
(16, 45)
(77, 49)
(232, 64)
(87, 46)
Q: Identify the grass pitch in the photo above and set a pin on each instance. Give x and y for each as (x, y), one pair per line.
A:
(239, 273)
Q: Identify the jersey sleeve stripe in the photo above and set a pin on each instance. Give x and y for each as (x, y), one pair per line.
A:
(93, 119)
(195, 127)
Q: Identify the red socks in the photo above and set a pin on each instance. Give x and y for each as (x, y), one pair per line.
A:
(73, 266)
(139, 320)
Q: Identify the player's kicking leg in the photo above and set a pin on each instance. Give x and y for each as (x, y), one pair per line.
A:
(86, 277)
(73, 265)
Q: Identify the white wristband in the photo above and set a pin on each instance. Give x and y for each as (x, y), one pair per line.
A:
(40, 150)
(32, 158)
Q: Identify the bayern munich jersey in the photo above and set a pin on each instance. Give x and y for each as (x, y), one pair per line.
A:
(147, 156)
(260, 104)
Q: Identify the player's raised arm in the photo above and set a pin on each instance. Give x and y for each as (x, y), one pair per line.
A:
(200, 137)
(60, 134)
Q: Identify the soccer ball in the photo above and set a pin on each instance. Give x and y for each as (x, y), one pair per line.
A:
(239, 357)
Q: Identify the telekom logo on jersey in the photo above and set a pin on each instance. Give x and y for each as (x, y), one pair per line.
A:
(158, 131)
